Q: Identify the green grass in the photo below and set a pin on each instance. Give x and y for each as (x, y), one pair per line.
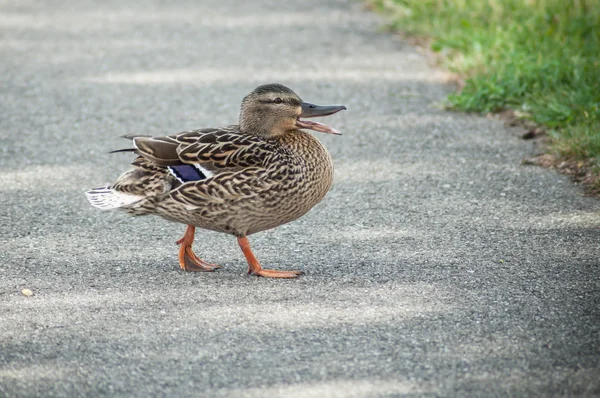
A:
(540, 58)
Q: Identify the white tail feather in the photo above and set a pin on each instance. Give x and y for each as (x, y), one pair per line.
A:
(106, 198)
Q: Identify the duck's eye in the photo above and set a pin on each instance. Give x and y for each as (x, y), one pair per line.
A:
(278, 100)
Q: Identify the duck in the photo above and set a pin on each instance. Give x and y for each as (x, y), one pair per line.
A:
(241, 179)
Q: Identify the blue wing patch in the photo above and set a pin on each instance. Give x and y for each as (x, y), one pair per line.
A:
(187, 172)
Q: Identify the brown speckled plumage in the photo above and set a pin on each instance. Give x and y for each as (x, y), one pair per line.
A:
(256, 178)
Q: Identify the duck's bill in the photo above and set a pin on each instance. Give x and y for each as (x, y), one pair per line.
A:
(316, 126)
(312, 110)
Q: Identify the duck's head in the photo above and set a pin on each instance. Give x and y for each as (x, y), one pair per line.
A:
(273, 109)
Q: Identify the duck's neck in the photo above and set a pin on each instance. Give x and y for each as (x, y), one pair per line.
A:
(316, 157)
(256, 123)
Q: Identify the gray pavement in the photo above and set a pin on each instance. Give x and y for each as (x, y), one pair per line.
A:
(436, 266)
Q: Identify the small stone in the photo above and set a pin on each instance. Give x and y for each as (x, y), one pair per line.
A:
(27, 292)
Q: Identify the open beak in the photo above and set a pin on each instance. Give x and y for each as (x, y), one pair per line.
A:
(311, 110)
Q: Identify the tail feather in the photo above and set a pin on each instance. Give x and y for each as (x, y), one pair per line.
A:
(106, 198)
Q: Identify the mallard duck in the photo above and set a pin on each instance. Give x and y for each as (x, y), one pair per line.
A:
(240, 180)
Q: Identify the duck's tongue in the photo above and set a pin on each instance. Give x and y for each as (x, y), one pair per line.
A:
(316, 126)
(312, 110)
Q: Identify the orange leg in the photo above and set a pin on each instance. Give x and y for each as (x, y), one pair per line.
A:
(255, 268)
(188, 261)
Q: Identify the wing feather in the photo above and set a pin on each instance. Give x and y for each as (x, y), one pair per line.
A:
(216, 150)
(159, 150)
(228, 151)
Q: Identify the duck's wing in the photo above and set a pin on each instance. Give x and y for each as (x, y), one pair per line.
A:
(213, 150)
(162, 151)
(213, 165)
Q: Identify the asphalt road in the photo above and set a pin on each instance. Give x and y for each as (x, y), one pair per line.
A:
(436, 266)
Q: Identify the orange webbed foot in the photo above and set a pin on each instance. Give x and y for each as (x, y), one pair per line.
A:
(188, 260)
(254, 267)
(271, 273)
